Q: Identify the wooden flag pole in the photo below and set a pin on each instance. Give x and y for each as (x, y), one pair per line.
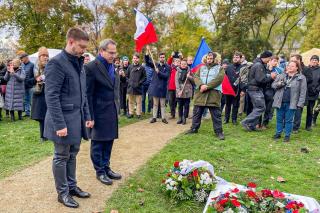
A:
(154, 64)
(185, 82)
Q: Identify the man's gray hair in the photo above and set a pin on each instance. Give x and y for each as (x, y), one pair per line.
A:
(104, 43)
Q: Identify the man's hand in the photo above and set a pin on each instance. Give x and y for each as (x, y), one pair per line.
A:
(62, 132)
(242, 93)
(203, 88)
(148, 47)
(273, 75)
(39, 78)
(89, 124)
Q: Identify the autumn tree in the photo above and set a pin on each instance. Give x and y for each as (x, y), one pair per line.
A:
(42, 22)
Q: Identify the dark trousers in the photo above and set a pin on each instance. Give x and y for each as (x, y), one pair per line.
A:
(144, 98)
(123, 99)
(310, 106)
(41, 125)
(259, 106)
(232, 103)
(172, 102)
(268, 113)
(223, 101)
(297, 119)
(183, 107)
(215, 116)
(100, 156)
(12, 115)
(64, 167)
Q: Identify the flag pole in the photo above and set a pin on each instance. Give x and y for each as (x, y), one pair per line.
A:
(154, 64)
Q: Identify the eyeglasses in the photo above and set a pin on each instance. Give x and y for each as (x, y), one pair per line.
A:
(112, 53)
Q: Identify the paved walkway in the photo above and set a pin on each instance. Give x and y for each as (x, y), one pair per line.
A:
(32, 189)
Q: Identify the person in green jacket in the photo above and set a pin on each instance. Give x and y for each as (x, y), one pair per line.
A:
(208, 81)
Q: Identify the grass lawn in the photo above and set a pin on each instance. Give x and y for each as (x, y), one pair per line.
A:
(20, 146)
(241, 158)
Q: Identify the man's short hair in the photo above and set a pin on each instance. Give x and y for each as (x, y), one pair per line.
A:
(136, 55)
(77, 34)
(275, 57)
(214, 55)
(105, 43)
(237, 53)
(162, 53)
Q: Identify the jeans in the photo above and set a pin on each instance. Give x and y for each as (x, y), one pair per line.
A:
(285, 116)
(100, 154)
(64, 167)
(215, 116)
(144, 97)
(183, 107)
(27, 101)
(259, 106)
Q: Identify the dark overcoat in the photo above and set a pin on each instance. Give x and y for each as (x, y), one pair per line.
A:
(65, 93)
(103, 101)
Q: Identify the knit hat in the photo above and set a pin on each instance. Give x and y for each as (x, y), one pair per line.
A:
(225, 61)
(314, 57)
(125, 58)
(43, 51)
(22, 54)
(266, 54)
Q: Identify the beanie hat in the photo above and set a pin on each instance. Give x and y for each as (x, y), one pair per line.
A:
(43, 51)
(125, 58)
(266, 54)
(314, 57)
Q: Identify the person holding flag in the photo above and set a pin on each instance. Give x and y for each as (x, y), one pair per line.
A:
(208, 81)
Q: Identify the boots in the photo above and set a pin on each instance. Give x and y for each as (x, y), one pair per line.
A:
(12, 116)
(179, 120)
(184, 120)
(20, 115)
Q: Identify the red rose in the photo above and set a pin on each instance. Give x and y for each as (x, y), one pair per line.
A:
(235, 190)
(235, 202)
(252, 185)
(251, 194)
(266, 193)
(301, 205)
(295, 211)
(176, 164)
(278, 194)
(227, 195)
(223, 201)
(195, 173)
(290, 206)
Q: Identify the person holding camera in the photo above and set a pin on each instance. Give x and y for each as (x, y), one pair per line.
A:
(291, 89)
(15, 77)
(39, 106)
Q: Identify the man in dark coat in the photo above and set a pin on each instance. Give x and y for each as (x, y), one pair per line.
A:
(124, 85)
(233, 102)
(158, 86)
(28, 68)
(257, 80)
(136, 77)
(312, 74)
(67, 114)
(103, 97)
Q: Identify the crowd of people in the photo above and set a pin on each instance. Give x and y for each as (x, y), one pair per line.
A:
(72, 97)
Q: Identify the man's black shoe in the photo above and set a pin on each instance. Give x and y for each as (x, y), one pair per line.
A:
(104, 179)
(164, 121)
(79, 193)
(184, 121)
(179, 121)
(309, 129)
(139, 116)
(234, 122)
(153, 120)
(68, 201)
(130, 116)
(247, 127)
(192, 131)
(220, 135)
(114, 175)
(276, 136)
(286, 139)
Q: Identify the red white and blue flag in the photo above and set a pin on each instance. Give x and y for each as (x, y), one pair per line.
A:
(146, 33)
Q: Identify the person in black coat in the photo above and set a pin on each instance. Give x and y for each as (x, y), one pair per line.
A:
(67, 114)
(312, 74)
(257, 80)
(39, 106)
(136, 77)
(233, 102)
(103, 97)
(158, 86)
(3, 83)
(124, 85)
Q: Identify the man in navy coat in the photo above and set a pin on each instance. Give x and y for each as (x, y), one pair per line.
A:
(103, 84)
(68, 114)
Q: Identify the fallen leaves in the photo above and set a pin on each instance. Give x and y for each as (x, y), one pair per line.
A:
(281, 179)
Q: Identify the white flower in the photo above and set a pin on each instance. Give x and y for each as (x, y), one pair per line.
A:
(173, 183)
(180, 178)
(169, 188)
(280, 205)
(229, 211)
(168, 180)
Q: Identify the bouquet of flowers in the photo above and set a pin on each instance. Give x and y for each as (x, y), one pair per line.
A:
(252, 200)
(188, 180)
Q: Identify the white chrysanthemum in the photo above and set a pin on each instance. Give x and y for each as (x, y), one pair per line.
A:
(180, 178)
(229, 211)
(173, 183)
(280, 205)
(168, 180)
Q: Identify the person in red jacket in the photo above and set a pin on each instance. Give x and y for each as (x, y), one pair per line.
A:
(175, 58)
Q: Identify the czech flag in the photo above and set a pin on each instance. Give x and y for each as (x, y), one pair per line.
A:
(145, 34)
